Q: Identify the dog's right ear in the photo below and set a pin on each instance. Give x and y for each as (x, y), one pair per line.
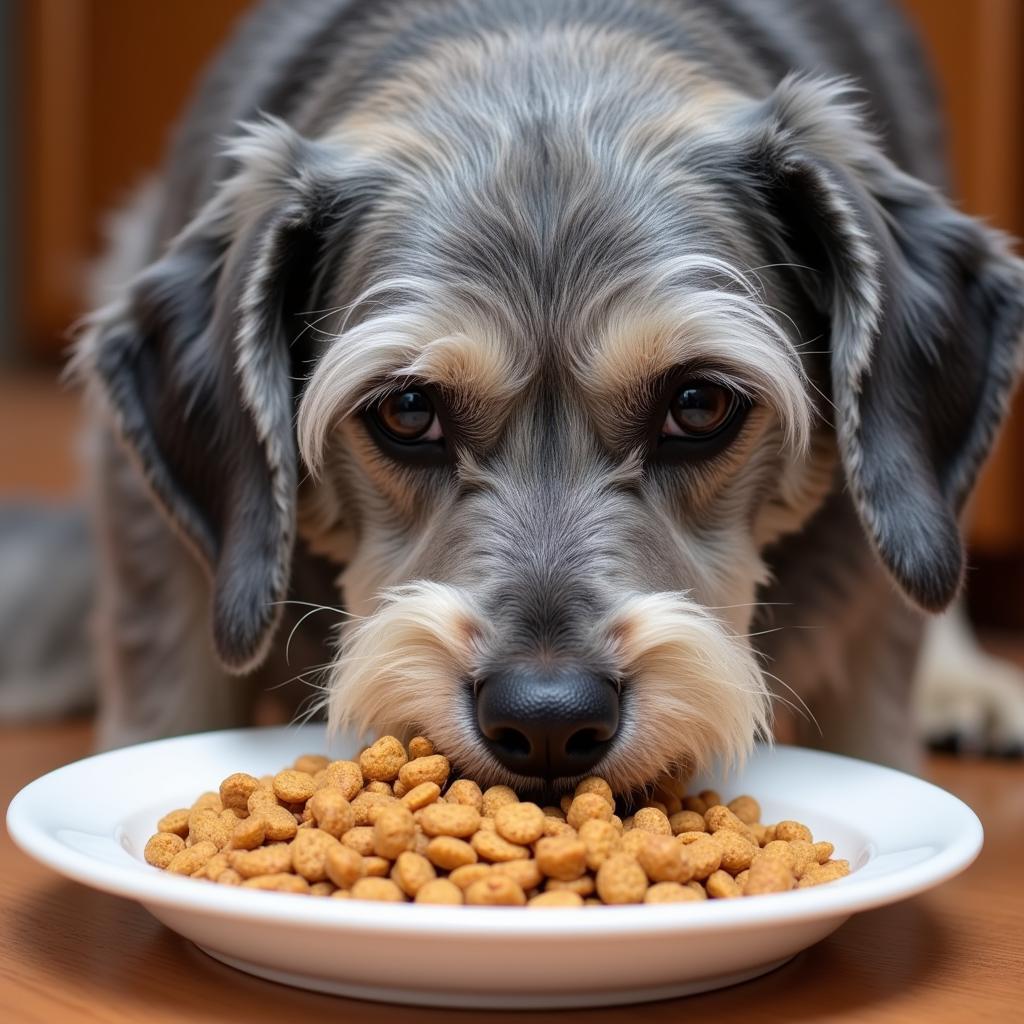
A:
(194, 364)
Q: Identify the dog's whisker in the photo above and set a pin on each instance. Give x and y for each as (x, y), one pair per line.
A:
(808, 713)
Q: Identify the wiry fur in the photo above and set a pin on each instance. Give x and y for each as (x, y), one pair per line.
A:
(543, 208)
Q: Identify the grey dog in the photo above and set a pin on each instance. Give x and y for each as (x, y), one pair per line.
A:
(617, 365)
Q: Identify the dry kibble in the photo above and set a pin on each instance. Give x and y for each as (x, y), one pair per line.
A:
(411, 872)
(421, 795)
(433, 768)
(686, 821)
(420, 746)
(620, 879)
(331, 811)
(382, 761)
(495, 797)
(586, 807)
(671, 892)
(555, 898)
(394, 832)
(722, 886)
(495, 890)
(790, 830)
(163, 848)
(380, 889)
(650, 819)
(440, 890)
(309, 853)
(448, 853)
(561, 857)
(490, 846)
(385, 827)
(768, 875)
(520, 823)
(460, 820)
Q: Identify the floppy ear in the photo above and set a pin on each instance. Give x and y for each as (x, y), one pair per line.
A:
(926, 315)
(195, 363)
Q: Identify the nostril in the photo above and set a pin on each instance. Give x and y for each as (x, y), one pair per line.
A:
(511, 742)
(581, 743)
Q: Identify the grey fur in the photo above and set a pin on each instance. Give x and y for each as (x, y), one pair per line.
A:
(538, 173)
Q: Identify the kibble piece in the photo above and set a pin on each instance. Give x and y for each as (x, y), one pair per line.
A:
(671, 892)
(279, 824)
(420, 746)
(582, 886)
(525, 873)
(555, 898)
(466, 875)
(186, 861)
(698, 889)
(344, 775)
(737, 852)
(331, 811)
(561, 857)
(344, 866)
(433, 768)
(382, 761)
(650, 819)
(440, 890)
(309, 853)
(465, 791)
(421, 795)
(521, 823)
(460, 820)
(411, 872)
(719, 818)
(790, 830)
(781, 850)
(229, 877)
(767, 875)
(236, 789)
(823, 851)
(804, 854)
(495, 797)
(175, 822)
(665, 860)
(278, 883)
(206, 825)
(321, 889)
(599, 838)
(819, 874)
(633, 841)
(208, 802)
(593, 784)
(341, 894)
(722, 886)
(557, 826)
(686, 821)
(705, 856)
(620, 879)
(163, 848)
(746, 808)
(267, 860)
(380, 788)
(448, 853)
(495, 890)
(360, 839)
(294, 787)
(376, 867)
(380, 889)
(394, 832)
(490, 846)
(261, 799)
(694, 803)
(586, 807)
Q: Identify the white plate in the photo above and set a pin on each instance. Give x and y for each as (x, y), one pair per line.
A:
(90, 821)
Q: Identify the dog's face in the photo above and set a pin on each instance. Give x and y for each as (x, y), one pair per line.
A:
(560, 402)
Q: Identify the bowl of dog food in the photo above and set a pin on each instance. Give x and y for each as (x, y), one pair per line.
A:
(373, 871)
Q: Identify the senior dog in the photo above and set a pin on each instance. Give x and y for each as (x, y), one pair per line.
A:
(617, 366)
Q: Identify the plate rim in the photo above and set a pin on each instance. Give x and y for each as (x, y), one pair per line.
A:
(850, 895)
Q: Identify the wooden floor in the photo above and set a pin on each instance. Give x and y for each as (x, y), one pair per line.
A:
(68, 954)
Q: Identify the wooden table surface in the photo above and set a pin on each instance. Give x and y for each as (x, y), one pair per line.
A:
(68, 954)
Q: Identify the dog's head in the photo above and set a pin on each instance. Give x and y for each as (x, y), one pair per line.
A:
(548, 387)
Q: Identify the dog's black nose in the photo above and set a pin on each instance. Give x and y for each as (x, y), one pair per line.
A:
(547, 724)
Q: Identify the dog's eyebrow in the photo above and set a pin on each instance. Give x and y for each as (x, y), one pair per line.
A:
(638, 344)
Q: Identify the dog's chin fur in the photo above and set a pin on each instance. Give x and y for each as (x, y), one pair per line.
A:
(693, 694)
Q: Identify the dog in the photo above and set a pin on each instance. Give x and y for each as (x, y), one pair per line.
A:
(598, 378)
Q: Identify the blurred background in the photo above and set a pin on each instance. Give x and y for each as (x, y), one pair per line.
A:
(89, 90)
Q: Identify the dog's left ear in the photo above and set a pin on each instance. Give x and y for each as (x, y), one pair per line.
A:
(196, 364)
(926, 314)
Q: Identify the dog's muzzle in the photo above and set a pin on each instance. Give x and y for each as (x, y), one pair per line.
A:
(547, 724)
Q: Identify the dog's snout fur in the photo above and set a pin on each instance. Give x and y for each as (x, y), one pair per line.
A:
(549, 213)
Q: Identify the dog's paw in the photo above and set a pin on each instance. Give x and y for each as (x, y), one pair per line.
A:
(965, 700)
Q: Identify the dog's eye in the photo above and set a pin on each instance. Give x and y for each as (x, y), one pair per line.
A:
(409, 416)
(701, 419)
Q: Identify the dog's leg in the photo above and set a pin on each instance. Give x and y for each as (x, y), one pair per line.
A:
(964, 698)
(158, 672)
